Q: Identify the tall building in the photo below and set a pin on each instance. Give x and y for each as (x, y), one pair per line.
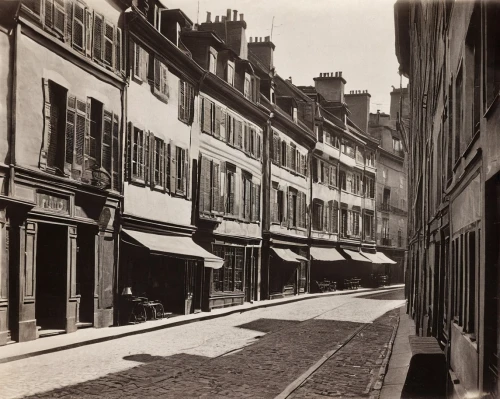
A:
(449, 52)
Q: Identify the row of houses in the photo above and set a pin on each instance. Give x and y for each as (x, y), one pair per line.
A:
(449, 50)
(141, 153)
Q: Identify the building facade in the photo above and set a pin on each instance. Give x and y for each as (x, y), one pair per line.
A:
(449, 51)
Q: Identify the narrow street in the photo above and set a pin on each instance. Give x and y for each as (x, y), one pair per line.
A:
(253, 354)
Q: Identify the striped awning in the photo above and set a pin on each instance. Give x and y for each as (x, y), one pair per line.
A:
(355, 255)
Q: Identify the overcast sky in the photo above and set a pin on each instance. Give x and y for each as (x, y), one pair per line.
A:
(313, 36)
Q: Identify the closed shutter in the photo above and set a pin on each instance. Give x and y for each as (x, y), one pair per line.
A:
(70, 134)
(98, 37)
(327, 174)
(245, 138)
(219, 122)
(109, 44)
(128, 152)
(239, 133)
(233, 206)
(49, 13)
(78, 27)
(206, 180)
(116, 154)
(247, 199)
(157, 75)
(152, 161)
(118, 50)
(187, 173)
(60, 17)
(222, 191)
(335, 217)
(87, 42)
(34, 6)
(182, 101)
(259, 146)
(253, 202)
(304, 215)
(190, 102)
(147, 156)
(215, 188)
(207, 116)
(290, 208)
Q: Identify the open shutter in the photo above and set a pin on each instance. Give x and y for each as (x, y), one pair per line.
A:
(146, 158)
(47, 113)
(68, 35)
(128, 152)
(276, 156)
(202, 202)
(79, 138)
(239, 133)
(222, 190)
(60, 17)
(187, 172)
(87, 42)
(246, 138)
(257, 202)
(218, 116)
(207, 116)
(49, 13)
(182, 101)
(98, 37)
(70, 133)
(157, 75)
(215, 187)
(106, 141)
(173, 168)
(109, 44)
(152, 159)
(290, 208)
(34, 7)
(116, 155)
(118, 50)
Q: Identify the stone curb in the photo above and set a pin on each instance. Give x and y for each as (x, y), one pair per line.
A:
(208, 316)
(377, 388)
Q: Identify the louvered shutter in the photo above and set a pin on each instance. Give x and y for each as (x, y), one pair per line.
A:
(245, 137)
(233, 205)
(68, 36)
(190, 103)
(239, 133)
(182, 101)
(274, 205)
(106, 157)
(164, 81)
(78, 30)
(290, 208)
(151, 160)
(70, 134)
(87, 41)
(218, 116)
(51, 124)
(34, 6)
(98, 37)
(276, 148)
(157, 75)
(166, 166)
(205, 186)
(144, 62)
(215, 187)
(146, 157)
(118, 50)
(253, 202)
(128, 152)
(60, 17)
(109, 44)
(222, 190)
(116, 154)
(187, 172)
(173, 168)
(327, 173)
(49, 13)
(248, 199)
(207, 116)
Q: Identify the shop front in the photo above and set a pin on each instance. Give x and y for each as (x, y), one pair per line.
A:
(287, 272)
(327, 268)
(357, 267)
(166, 269)
(62, 263)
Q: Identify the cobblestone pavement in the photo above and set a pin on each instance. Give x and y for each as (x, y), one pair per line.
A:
(252, 354)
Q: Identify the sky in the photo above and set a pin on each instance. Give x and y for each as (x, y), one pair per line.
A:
(313, 36)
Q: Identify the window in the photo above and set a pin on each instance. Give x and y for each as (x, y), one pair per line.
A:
(230, 73)
(333, 216)
(356, 186)
(343, 180)
(344, 227)
(55, 105)
(368, 227)
(207, 116)
(138, 158)
(277, 204)
(492, 52)
(160, 80)
(458, 114)
(294, 114)
(386, 199)
(230, 276)
(360, 158)
(230, 189)
(396, 145)
(212, 61)
(400, 238)
(385, 228)
(370, 159)
(140, 63)
(318, 210)
(348, 149)
(369, 189)
(247, 88)
(186, 102)
(181, 177)
(355, 223)
(159, 163)
(247, 197)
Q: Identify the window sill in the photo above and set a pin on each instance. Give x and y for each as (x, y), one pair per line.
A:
(160, 96)
(137, 182)
(185, 121)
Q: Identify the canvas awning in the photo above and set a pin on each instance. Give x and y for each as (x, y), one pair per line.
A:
(372, 256)
(182, 246)
(326, 254)
(385, 259)
(288, 255)
(355, 255)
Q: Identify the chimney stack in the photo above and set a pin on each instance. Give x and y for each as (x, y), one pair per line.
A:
(358, 103)
(209, 17)
(331, 86)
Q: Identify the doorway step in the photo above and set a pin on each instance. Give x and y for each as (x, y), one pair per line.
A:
(82, 324)
(48, 332)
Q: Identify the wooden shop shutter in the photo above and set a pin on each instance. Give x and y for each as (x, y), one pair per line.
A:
(98, 37)
(49, 13)
(87, 33)
(70, 133)
(60, 17)
(118, 51)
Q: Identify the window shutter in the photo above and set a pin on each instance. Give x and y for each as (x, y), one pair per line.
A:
(49, 13)
(245, 138)
(257, 202)
(116, 154)
(146, 157)
(60, 17)
(290, 208)
(157, 75)
(86, 40)
(80, 131)
(187, 173)
(274, 205)
(276, 148)
(215, 187)
(218, 121)
(144, 65)
(239, 133)
(222, 190)
(327, 174)
(205, 170)
(106, 141)
(151, 159)
(68, 35)
(164, 81)
(46, 157)
(77, 23)
(315, 170)
(173, 168)
(182, 101)
(109, 44)
(70, 133)
(190, 103)
(118, 50)
(253, 202)
(98, 37)
(35, 7)
(207, 116)
(128, 152)
(304, 216)
(233, 199)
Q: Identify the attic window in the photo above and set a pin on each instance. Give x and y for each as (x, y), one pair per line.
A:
(294, 114)
(230, 72)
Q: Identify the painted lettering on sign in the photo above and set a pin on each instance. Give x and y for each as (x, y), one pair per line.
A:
(52, 203)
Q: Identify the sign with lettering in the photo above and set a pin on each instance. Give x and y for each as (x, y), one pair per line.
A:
(52, 203)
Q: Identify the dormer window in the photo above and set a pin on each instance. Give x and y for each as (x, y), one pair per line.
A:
(273, 96)
(212, 62)
(230, 73)
(247, 90)
(294, 114)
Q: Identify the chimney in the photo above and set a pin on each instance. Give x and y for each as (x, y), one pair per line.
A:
(242, 17)
(235, 15)
(216, 19)
(358, 104)
(223, 18)
(209, 17)
(228, 15)
(263, 50)
(330, 86)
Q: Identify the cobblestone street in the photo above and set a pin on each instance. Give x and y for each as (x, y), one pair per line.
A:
(252, 354)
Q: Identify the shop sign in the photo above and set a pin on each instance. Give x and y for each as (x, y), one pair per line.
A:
(53, 203)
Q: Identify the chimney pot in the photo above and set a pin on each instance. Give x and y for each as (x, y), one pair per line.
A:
(216, 18)
(209, 17)
(336, 74)
(267, 39)
(235, 15)
(223, 18)
(251, 39)
(228, 14)
(340, 74)
(242, 17)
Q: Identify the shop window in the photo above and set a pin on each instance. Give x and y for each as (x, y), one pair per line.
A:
(186, 102)
(230, 277)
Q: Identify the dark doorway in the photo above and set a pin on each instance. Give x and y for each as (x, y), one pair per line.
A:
(51, 272)
(85, 270)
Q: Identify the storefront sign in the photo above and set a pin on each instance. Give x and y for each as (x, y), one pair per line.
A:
(53, 203)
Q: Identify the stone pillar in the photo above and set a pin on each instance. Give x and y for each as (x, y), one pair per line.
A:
(73, 300)
(4, 278)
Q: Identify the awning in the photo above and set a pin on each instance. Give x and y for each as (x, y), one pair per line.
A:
(288, 255)
(326, 254)
(385, 259)
(373, 257)
(176, 245)
(355, 255)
